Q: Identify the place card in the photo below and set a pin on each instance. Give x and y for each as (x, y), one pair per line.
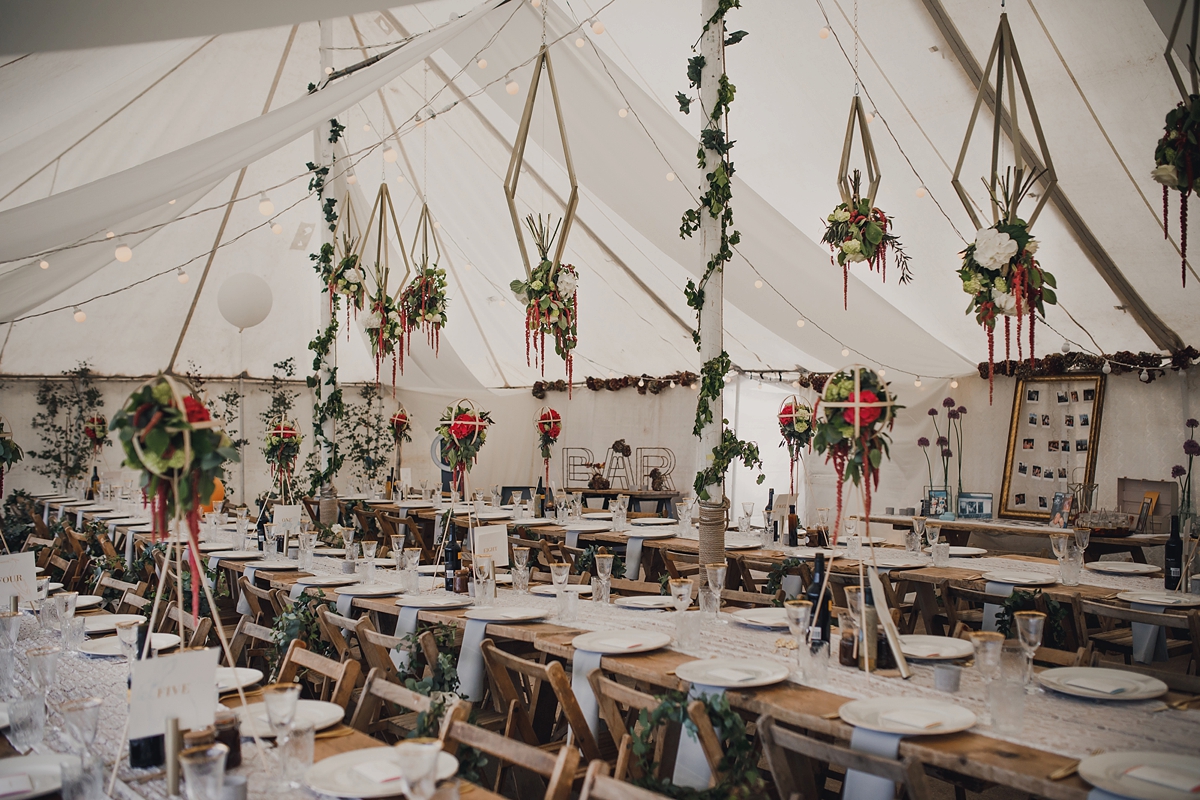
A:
(1165, 776)
(18, 575)
(492, 540)
(380, 771)
(179, 685)
(15, 784)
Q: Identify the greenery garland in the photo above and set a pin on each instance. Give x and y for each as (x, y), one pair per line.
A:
(586, 561)
(739, 761)
(1122, 362)
(299, 622)
(17, 522)
(776, 575)
(10, 453)
(723, 455)
(1056, 615)
(369, 436)
(712, 383)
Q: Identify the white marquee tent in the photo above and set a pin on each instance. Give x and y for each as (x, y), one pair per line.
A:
(168, 133)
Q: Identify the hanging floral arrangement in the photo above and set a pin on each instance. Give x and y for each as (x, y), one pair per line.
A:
(400, 425)
(853, 418)
(170, 437)
(281, 447)
(795, 426)
(384, 327)
(463, 429)
(857, 231)
(550, 301)
(95, 428)
(348, 279)
(1004, 279)
(423, 305)
(549, 428)
(10, 453)
(1177, 166)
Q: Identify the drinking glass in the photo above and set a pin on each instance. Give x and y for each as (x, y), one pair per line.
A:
(241, 512)
(851, 526)
(127, 635)
(559, 572)
(933, 535)
(1006, 705)
(272, 540)
(8, 671)
(10, 626)
(347, 539)
(577, 505)
(823, 520)
(1070, 567)
(520, 571)
(204, 771)
(424, 489)
(1012, 661)
(716, 582)
(768, 537)
(496, 496)
(1030, 625)
(64, 606)
(1058, 543)
(853, 547)
(485, 580)
(48, 614)
(681, 593)
(365, 568)
(43, 666)
(561, 507)
(604, 565)
(816, 671)
(418, 761)
(369, 548)
(798, 614)
(397, 547)
(26, 721)
(744, 524)
(988, 646)
(912, 542)
(747, 509)
(81, 717)
(941, 554)
(74, 632)
(297, 752)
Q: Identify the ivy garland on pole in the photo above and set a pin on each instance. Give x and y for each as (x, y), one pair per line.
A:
(716, 203)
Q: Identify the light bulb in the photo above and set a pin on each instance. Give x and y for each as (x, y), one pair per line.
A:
(170, 202)
(597, 27)
(672, 385)
(353, 179)
(921, 191)
(954, 384)
(1144, 376)
(580, 42)
(870, 117)
(729, 377)
(399, 179)
(467, 267)
(109, 235)
(329, 70)
(389, 155)
(1107, 368)
(622, 113)
(265, 206)
(481, 63)
(44, 264)
(881, 372)
(1066, 346)
(535, 3)
(276, 228)
(123, 253)
(436, 225)
(670, 176)
(800, 323)
(366, 127)
(845, 352)
(80, 316)
(796, 384)
(612, 374)
(182, 277)
(823, 33)
(758, 284)
(917, 383)
(641, 381)
(511, 87)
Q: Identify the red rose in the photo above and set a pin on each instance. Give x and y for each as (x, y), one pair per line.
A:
(196, 412)
(554, 431)
(786, 415)
(866, 415)
(465, 425)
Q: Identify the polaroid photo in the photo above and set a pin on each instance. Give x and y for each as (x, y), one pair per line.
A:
(1042, 502)
(1037, 471)
(1063, 397)
(1046, 420)
(1048, 473)
(1022, 468)
(1069, 420)
(1066, 445)
(1083, 421)
(1052, 445)
(1018, 499)
(1032, 396)
(1062, 473)
(1089, 395)
(1033, 420)
(1081, 445)
(1027, 444)
(1074, 396)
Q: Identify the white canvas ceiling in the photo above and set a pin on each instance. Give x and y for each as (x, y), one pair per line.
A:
(75, 117)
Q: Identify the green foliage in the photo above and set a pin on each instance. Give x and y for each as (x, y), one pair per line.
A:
(739, 762)
(17, 522)
(835, 428)
(1056, 615)
(368, 435)
(712, 383)
(283, 399)
(299, 622)
(335, 131)
(723, 455)
(775, 576)
(586, 561)
(65, 406)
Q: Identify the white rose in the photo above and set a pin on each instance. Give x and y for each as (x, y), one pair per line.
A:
(1031, 246)
(522, 297)
(841, 215)
(851, 246)
(1167, 175)
(1005, 303)
(994, 248)
(566, 283)
(354, 275)
(372, 320)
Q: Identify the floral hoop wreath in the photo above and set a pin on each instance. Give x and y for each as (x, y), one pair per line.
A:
(400, 425)
(464, 430)
(282, 450)
(549, 427)
(853, 417)
(95, 428)
(10, 451)
(796, 427)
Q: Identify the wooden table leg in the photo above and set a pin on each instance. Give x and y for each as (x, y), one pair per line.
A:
(927, 603)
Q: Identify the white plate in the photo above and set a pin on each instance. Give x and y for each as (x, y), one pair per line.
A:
(329, 551)
(44, 771)
(111, 646)
(742, 544)
(335, 776)
(1107, 771)
(229, 680)
(414, 503)
(547, 589)
(870, 714)
(1017, 578)
(370, 589)
(493, 513)
(732, 673)
(211, 547)
(534, 522)
(329, 580)
(53, 587)
(597, 515)
(620, 642)
(653, 521)
(3, 715)
(109, 515)
(865, 540)
(1134, 686)
(957, 551)
(645, 601)
(587, 525)
(86, 601)
(503, 614)
(899, 561)
(1122, 568)
(435, 601)
(761, 617)
(235, 554)
(107, 623)
(319, 713)
(650, 533)
(272, 566)
(1172, 599)
(934, 648)
(431, 569)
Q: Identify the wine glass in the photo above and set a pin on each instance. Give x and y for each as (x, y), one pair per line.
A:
(64, 604)
(204, 771)
(80, 720)
(988, 646)
(604, 565)
(1082, 537)
(10, 626)
(1059, 544)
(681, 593)
(1030, 625)
(127, 636)
(347, 539)
(418, 762)
(559, 572)
(799, 613)
(747, 509)
(716, 582)
(520, 571)
(823, 522)
(280, 700)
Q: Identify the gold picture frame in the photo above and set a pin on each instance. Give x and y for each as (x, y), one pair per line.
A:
(1053, 438)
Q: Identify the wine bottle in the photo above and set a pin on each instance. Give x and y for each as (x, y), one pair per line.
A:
(261, 528)
(539, 500)
(93, 490)
(451, 559)
(793, 523)
(770, 498)
(821, 608)
(1173, 559)
(148, 751)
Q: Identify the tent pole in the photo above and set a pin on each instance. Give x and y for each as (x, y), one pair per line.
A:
(324, 155)
(712, 516)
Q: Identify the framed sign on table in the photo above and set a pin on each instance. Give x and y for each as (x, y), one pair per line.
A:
(1052, 442)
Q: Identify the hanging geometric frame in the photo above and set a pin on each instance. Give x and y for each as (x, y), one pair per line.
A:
(383, 203)
(424, 226)
(1008, 61)
(844, 181)
(1193, 68)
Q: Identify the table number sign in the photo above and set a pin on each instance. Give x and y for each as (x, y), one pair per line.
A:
(180, 685)
(492, 540)
(18, 576)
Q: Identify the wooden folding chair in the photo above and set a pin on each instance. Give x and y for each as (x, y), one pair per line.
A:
(313, 507)
(69, 570)
(340, 676)
(619, 708)
(376, 649)
(389, 526)
(197, 630)
(733, 597)
(559, 771)
(107, 581)
(341, 632)
(415, 537)
(264, 605)
(380, 694)
(77, 542)
(366, 522)
(245, 635)
(520, 688)
(37, 541)
(680, 565)
(623, 588)
(1111, 638)
(791, 756)
(598, 786)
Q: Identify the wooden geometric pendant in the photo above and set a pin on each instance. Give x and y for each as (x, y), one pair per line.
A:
(1007, 61)
(1193, 70)
(421, 234)
(380, 212)
(518, 157)
(845, 182)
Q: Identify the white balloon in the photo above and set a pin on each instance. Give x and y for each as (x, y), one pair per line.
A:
(244, 300)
